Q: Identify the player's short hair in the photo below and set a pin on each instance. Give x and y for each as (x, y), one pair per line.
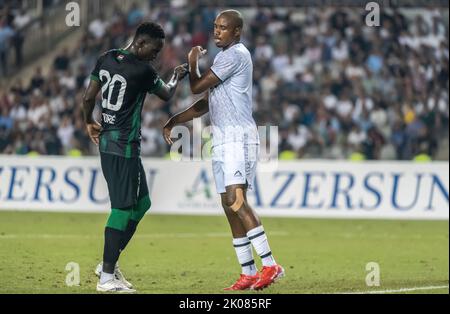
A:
(234, 16)
(153, 30)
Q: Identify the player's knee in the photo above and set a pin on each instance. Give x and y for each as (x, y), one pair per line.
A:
(234, 199)
(141, 208)
(226, 201)
(144, 203)
(118, 219)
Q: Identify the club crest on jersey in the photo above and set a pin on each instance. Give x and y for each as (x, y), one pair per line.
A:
(109, 119)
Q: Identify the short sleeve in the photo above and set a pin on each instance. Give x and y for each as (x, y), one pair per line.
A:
(95, 74)
(152, 80)
(225, 65)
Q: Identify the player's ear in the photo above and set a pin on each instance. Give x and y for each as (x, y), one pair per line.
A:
(237, 31)
(140, 42)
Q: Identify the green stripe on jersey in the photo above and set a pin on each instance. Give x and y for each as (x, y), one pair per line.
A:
(135, 124)
(115, 135)
(95, 78)
(156, 86)
(103, 143)
(125, 52)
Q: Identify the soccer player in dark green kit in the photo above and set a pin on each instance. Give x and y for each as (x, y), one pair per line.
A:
(124, 77)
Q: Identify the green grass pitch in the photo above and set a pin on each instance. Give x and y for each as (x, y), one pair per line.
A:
(193, 254)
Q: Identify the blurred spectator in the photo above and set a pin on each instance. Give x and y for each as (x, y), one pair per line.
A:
(373, 144)
(422, 155)
(21, 21)
(98, 27)
(6, 35)
(62, 61)
(356, 138)
(6, 121)
(65, 132)
(263, 50)
(38, 80)
(135, 15)
(4, 139)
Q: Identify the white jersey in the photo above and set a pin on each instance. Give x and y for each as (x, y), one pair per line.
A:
(230, 102)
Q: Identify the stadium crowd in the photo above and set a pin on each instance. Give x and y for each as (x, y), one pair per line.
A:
(335, 87)
(14, 18)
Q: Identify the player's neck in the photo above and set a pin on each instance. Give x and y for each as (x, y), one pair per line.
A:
(131, 49)
(234, 42)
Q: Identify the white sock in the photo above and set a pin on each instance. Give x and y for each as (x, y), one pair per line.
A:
(244, 254)
(105, 277)
(259, 241)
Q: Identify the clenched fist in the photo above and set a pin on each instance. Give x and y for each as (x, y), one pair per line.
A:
(181, 71)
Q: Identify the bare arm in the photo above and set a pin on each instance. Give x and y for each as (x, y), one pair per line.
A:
(167, 90)
(197, 109)
(200, 83)
(92, 127)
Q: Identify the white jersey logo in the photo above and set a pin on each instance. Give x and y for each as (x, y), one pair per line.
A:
(109, 119)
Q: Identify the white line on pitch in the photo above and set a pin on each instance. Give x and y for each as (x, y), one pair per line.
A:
(395, 290)
(148, 235)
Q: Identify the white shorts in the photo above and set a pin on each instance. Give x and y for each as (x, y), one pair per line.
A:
(234, 163)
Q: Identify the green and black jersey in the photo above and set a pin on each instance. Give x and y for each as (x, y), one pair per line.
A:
(125, 81)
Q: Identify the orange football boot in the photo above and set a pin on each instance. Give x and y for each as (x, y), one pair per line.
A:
(244, 282)
(268, 275)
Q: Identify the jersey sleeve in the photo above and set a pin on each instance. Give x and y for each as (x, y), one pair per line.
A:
(225, 65)
(95, 74)
(152, 81)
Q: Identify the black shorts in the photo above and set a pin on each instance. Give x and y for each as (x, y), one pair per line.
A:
(125, 178)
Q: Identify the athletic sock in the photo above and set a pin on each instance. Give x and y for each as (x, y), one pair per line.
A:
(111, 250)
(128, 234)
(258, 238)
(105, 277)
(244, 254)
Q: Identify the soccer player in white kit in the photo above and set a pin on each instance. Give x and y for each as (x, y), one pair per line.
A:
(235, 144)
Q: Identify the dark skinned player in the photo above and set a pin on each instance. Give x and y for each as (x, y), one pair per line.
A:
(235, 144)
(124, 77)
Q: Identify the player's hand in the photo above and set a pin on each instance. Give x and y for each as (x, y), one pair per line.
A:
(93, 130)
(166, 132)
(181, 71)
(196, 52)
